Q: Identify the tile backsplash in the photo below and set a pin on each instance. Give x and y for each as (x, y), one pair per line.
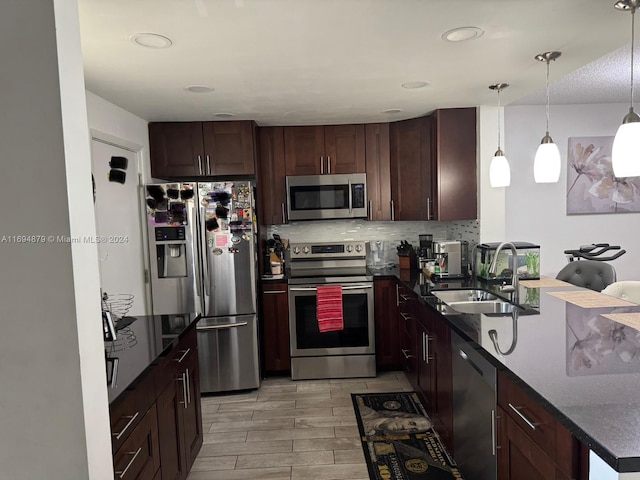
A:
(391, 233)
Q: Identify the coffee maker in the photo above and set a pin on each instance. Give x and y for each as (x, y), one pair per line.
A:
(449, 257)
(425, 251)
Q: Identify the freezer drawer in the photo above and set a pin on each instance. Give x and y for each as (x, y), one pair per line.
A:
(228, 353)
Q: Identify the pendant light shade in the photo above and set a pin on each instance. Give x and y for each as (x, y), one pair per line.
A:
(547, 162)
(625, 154)
(499, 170)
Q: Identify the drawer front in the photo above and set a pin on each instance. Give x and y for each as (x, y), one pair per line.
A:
(527, 413)
(139, 456)
(175, 360)
(127, 411)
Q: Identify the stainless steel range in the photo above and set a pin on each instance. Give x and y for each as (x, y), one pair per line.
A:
(350, 351)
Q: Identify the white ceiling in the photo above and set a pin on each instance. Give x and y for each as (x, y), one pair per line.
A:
(293, 62)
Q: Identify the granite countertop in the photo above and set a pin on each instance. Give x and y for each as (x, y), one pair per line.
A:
(141, 345)
(584, 368)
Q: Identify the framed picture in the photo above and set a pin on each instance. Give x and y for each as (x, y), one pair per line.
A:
(591, 185)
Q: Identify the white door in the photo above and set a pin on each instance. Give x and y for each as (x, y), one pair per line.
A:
(119, 226)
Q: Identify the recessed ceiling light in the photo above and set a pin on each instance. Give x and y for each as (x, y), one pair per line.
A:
(392, 110)
(224, 115)
(462, 34)
(198, 89)
(151, 40)
(411, 85)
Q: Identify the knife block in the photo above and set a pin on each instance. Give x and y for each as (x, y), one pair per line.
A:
(408, 262)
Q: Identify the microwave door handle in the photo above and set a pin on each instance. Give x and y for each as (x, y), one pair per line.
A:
(350, 198)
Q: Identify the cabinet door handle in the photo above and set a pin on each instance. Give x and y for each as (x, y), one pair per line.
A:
(531, 424)
(200, 164)
(182, 379)
(186, 376)
(121, 432)
(283, 219)
(407, 356)
(493, 432)
(208, 165)
(393, 213)
(405, 316)
(184, 354)
(122, 473)
(428, 208)
(328, 164)
(273, 292)
(424, 348)
(427, 357)
(397, 295)
(321, 165)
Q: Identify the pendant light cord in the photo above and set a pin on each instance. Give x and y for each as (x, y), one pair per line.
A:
(633, 36)
(547, 96)
(499, 118)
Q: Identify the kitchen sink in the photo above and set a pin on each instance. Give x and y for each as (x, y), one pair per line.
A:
(486, 306)
(464, 295)
(474, 301)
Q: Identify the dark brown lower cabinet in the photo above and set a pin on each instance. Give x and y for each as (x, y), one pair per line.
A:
(179, 424)
(435, 374)
(532, 445)
(386, 324)
(275, 328)
(519, 457)
(165, 442)
(139, 456)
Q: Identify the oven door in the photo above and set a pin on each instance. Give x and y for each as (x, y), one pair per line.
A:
(358, 335)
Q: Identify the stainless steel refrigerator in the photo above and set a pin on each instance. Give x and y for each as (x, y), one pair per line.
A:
(203, 248)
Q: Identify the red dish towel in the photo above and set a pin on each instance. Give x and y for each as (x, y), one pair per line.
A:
(329, 311)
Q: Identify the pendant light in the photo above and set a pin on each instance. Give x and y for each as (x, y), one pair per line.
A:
(547, 163)
(625, 154)
(499, 171)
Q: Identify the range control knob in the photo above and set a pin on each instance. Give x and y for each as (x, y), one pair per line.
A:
(358, 248)
(349, 248)
(305, 249)
(296, 250)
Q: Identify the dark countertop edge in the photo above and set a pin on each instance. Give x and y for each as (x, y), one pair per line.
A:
(619, 464)
(155, 362)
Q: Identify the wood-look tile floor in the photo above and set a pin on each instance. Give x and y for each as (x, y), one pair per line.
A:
(288, 430)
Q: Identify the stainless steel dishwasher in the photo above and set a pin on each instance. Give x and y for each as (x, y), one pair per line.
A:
(474, 412)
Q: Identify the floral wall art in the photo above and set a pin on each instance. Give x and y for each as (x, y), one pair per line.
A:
(591, 186)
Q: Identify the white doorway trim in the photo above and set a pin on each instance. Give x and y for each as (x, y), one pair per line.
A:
(136, 149)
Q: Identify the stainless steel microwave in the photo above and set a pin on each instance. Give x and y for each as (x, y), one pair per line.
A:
(317, 197)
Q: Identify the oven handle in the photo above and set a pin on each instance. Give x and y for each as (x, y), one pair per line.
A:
(314, 289)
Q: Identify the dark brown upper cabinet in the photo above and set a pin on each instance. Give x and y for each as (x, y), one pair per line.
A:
(378, 171)
(195, 149)
(271, 176)
(412, 179)
(455, 165)
(433, 166)
(320, 150)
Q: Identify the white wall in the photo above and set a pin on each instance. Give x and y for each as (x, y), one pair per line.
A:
(537, 212)
(54, 411)
(120, 127)
(491, 200)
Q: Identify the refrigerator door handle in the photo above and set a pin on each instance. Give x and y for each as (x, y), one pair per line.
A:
(204, 261)
(221, 327)
(195, 231)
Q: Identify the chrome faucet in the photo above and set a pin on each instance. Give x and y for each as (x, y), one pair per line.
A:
(514, 287)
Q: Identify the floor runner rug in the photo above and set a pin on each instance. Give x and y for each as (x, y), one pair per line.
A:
(398, 439)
